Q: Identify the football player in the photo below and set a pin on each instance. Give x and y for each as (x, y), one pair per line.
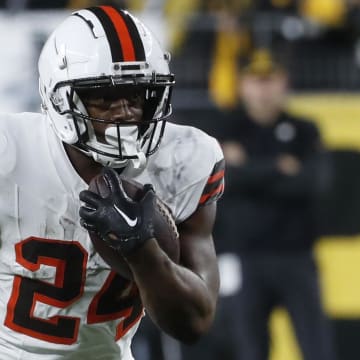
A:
(106, 88)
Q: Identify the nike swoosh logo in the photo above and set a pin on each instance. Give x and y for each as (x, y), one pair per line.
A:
(130, 222)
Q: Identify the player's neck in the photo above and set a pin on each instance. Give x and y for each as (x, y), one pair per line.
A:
(84, 165)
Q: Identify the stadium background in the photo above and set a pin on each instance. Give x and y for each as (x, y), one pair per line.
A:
(319, 39)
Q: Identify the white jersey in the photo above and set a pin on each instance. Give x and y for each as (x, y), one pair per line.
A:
(58, 298)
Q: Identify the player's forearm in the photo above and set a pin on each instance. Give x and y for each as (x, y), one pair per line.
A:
(177, 299)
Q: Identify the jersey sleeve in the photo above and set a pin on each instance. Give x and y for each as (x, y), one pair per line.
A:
(205, 179)
(214, 187)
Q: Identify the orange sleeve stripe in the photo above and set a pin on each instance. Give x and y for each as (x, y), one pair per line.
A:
(205, 197)
(122, 32)
(216, 176)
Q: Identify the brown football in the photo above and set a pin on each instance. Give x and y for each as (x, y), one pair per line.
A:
(164, 226)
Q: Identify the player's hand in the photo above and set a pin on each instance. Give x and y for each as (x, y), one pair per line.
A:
(120, 221)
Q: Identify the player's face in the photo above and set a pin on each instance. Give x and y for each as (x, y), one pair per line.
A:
(116, 105)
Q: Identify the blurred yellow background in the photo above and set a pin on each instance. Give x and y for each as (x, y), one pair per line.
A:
(338, 116)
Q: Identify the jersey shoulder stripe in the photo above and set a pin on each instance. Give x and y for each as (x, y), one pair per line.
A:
(214, 187)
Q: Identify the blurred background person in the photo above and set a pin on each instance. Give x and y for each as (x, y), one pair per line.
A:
(275, 171)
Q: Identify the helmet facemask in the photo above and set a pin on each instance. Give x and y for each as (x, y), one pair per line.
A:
(122, 141)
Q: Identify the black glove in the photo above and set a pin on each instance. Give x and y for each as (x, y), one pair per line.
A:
(120, 221)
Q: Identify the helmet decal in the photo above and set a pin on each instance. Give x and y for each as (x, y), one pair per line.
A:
(122, 34)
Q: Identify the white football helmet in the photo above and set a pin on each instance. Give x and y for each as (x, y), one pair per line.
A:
(105, 47)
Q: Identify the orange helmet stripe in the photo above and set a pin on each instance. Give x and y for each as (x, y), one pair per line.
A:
(122, 32)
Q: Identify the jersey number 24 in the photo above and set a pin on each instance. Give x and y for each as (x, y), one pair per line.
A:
(69, 259)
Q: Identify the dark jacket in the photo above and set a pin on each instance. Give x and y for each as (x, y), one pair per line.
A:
(263, 209)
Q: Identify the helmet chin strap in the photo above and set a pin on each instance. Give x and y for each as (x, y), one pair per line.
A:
(137, 164)
(108, 161)
(129, 146)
